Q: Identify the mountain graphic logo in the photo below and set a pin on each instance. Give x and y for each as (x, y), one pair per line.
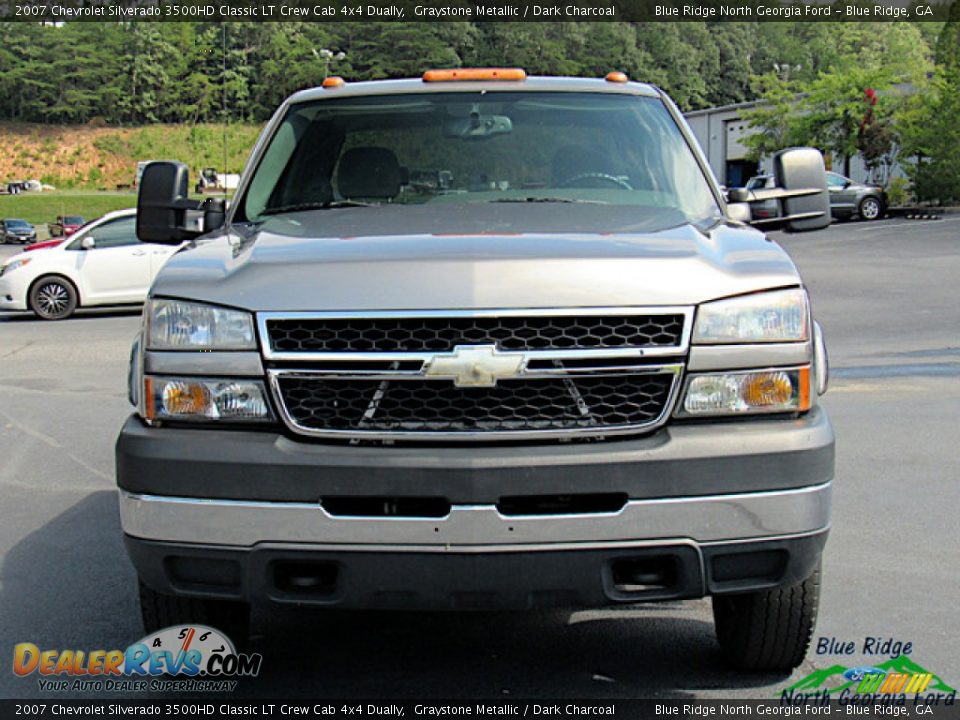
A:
(899, 674)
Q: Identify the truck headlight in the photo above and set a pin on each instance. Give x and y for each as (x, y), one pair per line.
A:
(739, 393)
(205, 399)
(777, 316)
(179, 325)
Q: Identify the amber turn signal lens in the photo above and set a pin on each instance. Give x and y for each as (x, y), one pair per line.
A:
(185, 398)
(766, 389)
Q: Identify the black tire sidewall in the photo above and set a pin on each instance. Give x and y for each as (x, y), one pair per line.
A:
(72, 295)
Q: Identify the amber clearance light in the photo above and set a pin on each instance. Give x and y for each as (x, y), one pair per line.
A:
(474, 74)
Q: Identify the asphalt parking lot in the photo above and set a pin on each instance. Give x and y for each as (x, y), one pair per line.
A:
(886, 296)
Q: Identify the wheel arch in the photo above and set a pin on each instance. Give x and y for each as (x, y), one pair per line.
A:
(54, 274)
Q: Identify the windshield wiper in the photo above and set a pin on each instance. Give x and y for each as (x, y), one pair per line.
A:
(548, 200)
(327, 205)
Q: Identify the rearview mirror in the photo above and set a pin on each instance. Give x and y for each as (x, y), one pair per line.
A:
(478, 126)
(165, 213)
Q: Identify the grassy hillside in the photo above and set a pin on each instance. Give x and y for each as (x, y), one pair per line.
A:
(42, 208)
(88, 157)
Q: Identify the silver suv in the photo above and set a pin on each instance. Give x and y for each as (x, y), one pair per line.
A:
(479, 340)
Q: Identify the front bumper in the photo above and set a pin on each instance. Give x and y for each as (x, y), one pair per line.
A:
(13, 292)
(709, 508)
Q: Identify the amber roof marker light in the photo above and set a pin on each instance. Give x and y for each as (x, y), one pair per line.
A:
(475, 74)
(334, 81)
(617, 77)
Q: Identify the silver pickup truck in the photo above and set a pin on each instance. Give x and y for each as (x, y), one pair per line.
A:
(480, 340)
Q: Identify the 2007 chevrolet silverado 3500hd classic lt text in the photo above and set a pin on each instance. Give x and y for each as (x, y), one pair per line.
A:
(480, 340)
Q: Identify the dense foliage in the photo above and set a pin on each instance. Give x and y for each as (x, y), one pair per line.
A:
(891, 95)
(135, 73)
(814, 76)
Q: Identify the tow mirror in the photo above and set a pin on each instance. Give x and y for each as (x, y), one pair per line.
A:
(739, 212)
(165, 213)
(800, 172)
(800, 192)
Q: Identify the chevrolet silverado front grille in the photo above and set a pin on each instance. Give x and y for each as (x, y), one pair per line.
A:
(438, 406)
(442, 334)
(475, 375)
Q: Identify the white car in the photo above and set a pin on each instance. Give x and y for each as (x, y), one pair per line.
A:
(103, 263)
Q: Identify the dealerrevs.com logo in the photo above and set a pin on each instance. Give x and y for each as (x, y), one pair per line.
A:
(189, 658)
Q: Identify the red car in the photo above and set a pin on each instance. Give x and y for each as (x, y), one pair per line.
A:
(65, 226)
(44, 244)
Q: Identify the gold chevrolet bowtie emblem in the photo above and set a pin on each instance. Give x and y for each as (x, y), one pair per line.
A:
(475, 365)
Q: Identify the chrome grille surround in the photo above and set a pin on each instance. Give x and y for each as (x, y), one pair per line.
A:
(540, 366)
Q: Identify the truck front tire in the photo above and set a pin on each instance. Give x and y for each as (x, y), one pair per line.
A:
(768, 630)
(161, 611)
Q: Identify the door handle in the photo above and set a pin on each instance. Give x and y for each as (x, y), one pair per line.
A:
(139, 253)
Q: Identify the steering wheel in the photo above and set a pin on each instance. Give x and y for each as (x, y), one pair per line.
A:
(602, 176)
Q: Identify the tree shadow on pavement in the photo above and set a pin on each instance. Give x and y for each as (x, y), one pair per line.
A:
(67, 584)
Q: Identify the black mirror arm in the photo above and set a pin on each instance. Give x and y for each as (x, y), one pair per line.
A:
(214, 213)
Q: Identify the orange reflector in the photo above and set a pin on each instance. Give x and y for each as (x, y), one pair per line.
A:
(148, 398)
(333, 82)
(617, 77)
(804, 395)
(474, 74)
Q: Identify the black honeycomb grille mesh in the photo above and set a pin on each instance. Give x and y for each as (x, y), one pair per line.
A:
(419, 405)
(442, 334)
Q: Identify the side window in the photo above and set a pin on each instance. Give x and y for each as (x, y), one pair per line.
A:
(116, 233)
(835, 180)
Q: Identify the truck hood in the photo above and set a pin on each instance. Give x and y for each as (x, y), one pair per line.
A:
(284, 265)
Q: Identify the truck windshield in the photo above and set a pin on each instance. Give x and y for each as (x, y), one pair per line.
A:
(449, 149)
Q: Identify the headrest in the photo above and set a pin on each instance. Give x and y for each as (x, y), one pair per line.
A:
(369, 172)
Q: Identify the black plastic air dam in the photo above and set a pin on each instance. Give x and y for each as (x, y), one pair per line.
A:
(461, 580)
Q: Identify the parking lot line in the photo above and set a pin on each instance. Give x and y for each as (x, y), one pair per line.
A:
(875, 226)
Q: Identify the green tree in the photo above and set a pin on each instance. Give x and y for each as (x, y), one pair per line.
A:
(146, 81)
(775, 120)
(948, 42)
(928, 128)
